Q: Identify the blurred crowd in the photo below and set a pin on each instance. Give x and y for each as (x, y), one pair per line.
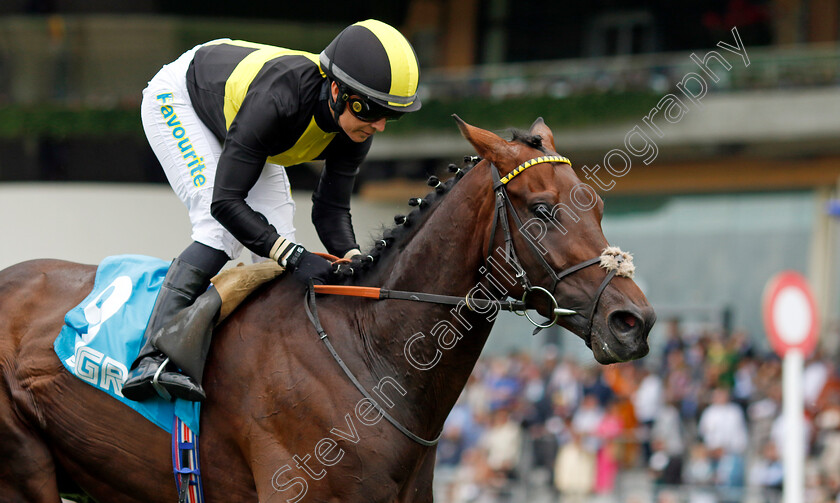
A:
(703, 413)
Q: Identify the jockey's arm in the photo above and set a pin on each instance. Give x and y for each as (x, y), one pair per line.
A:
(238, 170)
(240, 165)
(331, 208)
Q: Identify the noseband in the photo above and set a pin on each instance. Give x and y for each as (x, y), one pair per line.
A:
(613, 259)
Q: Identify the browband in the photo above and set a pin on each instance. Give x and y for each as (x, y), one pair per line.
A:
(527, 164)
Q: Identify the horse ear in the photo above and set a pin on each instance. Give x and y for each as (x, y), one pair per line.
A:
(488, 145)
(539, 128)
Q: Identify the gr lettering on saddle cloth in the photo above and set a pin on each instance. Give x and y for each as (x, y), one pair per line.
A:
(326, 451)
(195, 164)
(92, 365)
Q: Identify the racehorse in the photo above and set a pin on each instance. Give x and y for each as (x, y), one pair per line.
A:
(282, 421)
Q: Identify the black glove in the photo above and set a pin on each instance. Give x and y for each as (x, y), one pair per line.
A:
(305, 265)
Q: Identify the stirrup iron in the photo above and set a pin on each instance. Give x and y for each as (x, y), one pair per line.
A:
(161, 390)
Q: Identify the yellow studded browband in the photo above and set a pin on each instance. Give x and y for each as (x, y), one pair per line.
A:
(527, 164)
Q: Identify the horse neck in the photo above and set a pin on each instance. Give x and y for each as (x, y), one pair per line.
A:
(443, 256)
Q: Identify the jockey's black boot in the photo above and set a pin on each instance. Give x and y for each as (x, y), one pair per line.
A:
(186, 341)
(181, 286)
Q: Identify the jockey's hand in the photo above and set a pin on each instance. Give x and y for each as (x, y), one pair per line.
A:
(305, 265)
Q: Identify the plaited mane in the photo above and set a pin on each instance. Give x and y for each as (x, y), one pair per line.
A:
(394, 236)
(405, 225)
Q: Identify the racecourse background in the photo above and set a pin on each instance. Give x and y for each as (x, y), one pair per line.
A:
(745, 183)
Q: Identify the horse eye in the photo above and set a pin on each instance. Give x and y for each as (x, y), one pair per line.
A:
(542, 210)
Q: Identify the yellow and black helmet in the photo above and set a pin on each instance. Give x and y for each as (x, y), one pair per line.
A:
(375, 61)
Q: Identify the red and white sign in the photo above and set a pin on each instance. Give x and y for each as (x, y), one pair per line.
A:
(790, 314)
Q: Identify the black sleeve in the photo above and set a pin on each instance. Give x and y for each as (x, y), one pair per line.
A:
(331, 199)
(233, 181)
(240, 164)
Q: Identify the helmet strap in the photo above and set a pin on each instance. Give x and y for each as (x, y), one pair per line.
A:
(340, 102)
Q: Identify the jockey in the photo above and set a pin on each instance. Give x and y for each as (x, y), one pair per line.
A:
(225, 118)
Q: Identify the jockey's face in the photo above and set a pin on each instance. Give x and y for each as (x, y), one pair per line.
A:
(358, 130)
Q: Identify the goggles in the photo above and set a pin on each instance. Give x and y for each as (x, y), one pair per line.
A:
(368, 111)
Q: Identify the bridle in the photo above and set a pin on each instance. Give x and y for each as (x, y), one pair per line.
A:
(503, 204)
(500, 218)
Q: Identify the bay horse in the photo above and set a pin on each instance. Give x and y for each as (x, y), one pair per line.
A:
(282, 421)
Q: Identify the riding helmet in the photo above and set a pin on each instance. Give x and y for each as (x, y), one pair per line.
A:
(374, 60)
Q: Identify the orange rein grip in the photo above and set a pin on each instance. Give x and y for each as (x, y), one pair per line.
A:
(331, 258)
(352, 291)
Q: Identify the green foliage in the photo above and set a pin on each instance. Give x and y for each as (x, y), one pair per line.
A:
(55, 121)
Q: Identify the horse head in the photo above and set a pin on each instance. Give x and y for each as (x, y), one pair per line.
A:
(547, 227)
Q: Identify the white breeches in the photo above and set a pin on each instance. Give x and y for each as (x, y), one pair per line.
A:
(189, 154)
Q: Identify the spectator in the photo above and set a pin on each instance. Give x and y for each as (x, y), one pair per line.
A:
(565, 387)
(574, 470)
(609, 431)
(502, 443)
(460, 432)
(700, 470)
(472, 479)
(724, 432)
(814, 378)
(647, 401)
(552, 408)
(502, 383)
(668, 445)
(828, 441)
(586, 420)
(673, 339)
(744, 377)
(665, 467)
(767, 472)
(593, 383)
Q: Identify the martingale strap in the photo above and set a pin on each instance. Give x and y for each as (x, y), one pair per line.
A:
(312, 312)
(185, 463)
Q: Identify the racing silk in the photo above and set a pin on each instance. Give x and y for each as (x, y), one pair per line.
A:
(269, 104)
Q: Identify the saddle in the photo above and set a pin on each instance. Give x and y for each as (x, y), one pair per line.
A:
(235, 284)
(186, 338)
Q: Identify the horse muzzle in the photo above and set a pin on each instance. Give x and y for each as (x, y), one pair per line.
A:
(622, 334)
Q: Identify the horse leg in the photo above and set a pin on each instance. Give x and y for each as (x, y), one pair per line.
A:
(27, 470)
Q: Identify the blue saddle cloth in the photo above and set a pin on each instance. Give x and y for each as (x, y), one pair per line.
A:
(102, 336)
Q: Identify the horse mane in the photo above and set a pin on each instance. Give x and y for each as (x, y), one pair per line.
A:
(394, 237)
(526, 138)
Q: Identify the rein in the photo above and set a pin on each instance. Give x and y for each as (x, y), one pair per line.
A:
(451, 300)
(613, 259)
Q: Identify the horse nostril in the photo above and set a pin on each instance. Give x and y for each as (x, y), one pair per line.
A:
(626, 324)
